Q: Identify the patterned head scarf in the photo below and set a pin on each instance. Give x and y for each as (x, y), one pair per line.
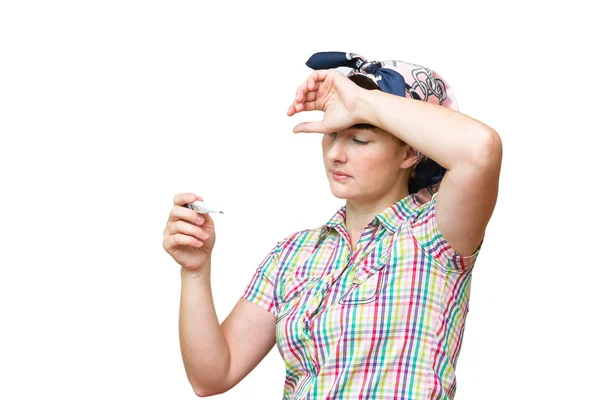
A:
(402, 79)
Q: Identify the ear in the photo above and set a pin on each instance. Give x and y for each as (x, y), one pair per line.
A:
(410, 157)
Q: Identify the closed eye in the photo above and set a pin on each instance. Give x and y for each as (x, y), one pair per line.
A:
(355, 140)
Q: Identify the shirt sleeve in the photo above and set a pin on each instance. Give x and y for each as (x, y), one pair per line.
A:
(427, 233)
(261, 288)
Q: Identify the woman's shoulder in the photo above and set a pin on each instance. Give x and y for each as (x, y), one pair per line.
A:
(303, 236)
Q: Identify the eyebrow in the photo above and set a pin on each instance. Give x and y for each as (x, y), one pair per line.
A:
(362, 126)
(370, 127)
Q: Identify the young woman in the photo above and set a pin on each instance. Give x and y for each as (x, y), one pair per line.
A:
(373, 303)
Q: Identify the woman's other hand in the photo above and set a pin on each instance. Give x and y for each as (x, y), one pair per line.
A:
(189, 237)
(332, 92)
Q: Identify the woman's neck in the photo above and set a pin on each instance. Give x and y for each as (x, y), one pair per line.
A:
(360, 213)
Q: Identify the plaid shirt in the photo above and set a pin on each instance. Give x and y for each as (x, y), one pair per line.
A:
(384, 321)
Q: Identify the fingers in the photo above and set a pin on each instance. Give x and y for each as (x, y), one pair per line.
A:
(309, 127)
(185, 198)
(184, 213)
(305, 99)
(298, 107)
(307, 94)
(182, 227)
(306, 106)
(303, 90)
(180, 212)
(310, 96)
(174, 241)
(307, 91)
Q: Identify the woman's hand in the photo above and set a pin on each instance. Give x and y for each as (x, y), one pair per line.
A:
(189, 237)
(332, 92)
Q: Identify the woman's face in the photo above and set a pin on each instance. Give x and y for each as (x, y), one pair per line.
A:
(373, 159)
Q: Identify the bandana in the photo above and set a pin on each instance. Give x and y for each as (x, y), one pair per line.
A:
(402, 79)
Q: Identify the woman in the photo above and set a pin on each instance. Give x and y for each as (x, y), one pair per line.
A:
(373, 303)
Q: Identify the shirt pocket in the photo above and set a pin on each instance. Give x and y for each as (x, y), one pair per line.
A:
(366, 283)
(292, 290)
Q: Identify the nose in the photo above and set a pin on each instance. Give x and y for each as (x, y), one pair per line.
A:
(336, 152)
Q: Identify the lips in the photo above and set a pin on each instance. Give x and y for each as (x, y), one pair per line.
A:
(340, 173)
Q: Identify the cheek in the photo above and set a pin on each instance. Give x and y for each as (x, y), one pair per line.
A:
(366, 166)
(378, 166)
(325, 143)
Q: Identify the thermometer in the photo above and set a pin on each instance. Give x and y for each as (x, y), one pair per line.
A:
(202, 208)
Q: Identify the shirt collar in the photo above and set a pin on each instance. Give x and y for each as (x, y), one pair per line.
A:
(391, 218)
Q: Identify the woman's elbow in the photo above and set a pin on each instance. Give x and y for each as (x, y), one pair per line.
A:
(210, 391)
(204, 392)
(490, 150)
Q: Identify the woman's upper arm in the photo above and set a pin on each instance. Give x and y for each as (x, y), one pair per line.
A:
(250, 326)
(250, 333)
(467, 197)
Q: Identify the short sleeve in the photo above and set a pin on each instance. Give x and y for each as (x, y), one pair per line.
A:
(427, 233)
(261, 288)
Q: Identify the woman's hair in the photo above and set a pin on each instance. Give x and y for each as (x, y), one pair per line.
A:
(368, 84)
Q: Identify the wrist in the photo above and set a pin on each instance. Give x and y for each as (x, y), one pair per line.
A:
(199, 274)
(366, 112)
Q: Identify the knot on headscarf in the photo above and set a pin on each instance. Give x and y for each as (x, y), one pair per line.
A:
(371, 67)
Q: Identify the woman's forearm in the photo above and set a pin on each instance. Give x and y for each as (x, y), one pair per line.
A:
(204, 349)
(444, 135)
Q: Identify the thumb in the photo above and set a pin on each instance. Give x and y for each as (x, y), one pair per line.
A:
(310, 127)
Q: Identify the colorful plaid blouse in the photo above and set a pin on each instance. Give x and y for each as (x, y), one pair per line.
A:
(384, 321)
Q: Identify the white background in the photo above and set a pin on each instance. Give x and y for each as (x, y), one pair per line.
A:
(108, 109)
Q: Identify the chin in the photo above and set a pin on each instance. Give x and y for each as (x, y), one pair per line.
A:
(339, 196)
(340, 193)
